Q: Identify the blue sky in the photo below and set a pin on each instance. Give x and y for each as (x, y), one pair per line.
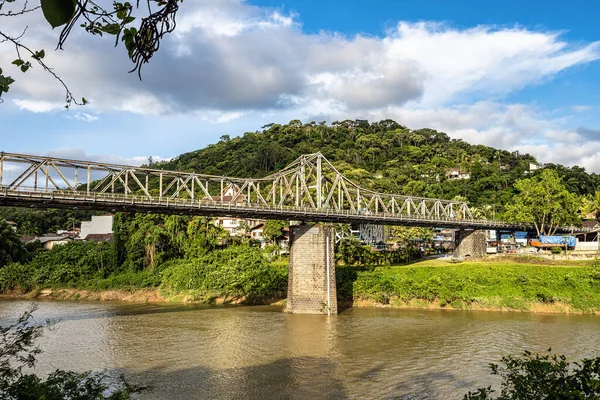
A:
(512, 74)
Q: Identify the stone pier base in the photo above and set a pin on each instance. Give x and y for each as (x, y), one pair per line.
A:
(311, 250)
(470, 243)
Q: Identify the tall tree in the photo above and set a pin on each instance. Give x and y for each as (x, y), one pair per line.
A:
(273, 229)
(544, 202)
(11, 248)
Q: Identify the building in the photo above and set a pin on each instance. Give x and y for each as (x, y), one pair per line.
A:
(456, 173)
(51, 240)
(99, 225)
(282, 241)
(237, 226)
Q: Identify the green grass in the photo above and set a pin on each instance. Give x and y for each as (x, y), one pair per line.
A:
(514, 284)
(490, 284)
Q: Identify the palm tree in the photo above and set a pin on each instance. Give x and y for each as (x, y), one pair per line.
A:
(71, 221)
(591, 205)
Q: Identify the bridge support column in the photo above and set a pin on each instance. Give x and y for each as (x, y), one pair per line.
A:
(470, 243)
(311, 282)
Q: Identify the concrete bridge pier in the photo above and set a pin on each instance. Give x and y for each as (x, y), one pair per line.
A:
(470, 243)
(311, 282)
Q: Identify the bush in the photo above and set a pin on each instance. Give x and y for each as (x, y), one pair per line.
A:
(18, 350)
(493, 285)
(14, 276)
(533, 377)
(237, 271)
(556, 250)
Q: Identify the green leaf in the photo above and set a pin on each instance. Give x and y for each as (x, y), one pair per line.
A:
(58, 12)
(111, 29)
(24, 67)
(18, 62)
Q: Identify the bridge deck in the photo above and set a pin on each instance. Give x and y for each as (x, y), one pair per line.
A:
(131, 203)
(309, 189)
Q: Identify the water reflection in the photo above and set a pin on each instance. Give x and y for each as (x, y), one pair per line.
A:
(260, 353)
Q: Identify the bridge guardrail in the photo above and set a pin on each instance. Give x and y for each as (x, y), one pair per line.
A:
(249, 207)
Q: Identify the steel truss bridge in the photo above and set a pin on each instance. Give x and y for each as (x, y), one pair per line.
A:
(310, 189)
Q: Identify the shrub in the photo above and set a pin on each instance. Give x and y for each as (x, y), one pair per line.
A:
(18, 350)
(14, 276)
(550, 376)
(556, 250)
(237, 271)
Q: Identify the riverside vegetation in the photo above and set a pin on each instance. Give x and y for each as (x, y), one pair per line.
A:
(245, 273)
(185, 257)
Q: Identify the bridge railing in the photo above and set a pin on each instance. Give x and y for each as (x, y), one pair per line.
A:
(178, 203)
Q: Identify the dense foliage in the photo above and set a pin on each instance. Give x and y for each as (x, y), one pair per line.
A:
(385, 156)
(240, 272)
(192, 266)
(540, 377)
(545, 202)
(18, 350)
(11, 249)
(36, 222)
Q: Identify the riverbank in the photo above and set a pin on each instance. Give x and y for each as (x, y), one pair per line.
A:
(495, 284)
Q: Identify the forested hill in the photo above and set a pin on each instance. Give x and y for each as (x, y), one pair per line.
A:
(384, 156)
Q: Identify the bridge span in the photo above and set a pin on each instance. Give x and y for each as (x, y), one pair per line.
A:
(310, 189)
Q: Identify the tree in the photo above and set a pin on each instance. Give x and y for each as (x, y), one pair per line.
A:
(11, 248)
(544, 202)
(273, 229)
(591, 205)
(141, 40)
(18, 350)
(71, 221)
(540, 377)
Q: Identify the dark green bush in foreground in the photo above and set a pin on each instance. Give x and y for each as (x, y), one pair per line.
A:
(543, 377)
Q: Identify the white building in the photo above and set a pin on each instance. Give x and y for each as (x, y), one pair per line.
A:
(456, 173)
(283, 241)
(49, 241)
(235, 226)
(99, 225)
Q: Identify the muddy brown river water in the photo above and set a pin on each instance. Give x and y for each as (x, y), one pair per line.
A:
(217, 352)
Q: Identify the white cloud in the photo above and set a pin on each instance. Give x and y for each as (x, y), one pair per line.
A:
(229, 55)
(85, 117)
(230, 61)
(37, 106)
(76, 153)
(581, 108)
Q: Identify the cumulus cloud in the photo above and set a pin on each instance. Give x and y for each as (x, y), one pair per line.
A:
(76, 153)
(231, 56)
(230, 60)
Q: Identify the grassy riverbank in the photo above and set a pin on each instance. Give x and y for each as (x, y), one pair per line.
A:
(504, 284)
(242, 274)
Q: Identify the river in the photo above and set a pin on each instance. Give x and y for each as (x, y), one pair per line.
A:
(217, 352)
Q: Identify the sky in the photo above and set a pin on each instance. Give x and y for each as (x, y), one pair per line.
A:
(514, 75)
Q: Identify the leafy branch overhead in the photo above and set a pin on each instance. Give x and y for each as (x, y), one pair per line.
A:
(139, 34)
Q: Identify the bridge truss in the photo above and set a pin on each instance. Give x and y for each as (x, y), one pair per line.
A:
(309, 189)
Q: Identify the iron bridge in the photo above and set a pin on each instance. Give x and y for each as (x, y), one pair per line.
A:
(310, 189)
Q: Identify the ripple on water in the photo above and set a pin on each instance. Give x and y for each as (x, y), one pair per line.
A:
(260, 353)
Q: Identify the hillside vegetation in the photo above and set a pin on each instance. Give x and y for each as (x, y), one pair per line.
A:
(384, 156)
